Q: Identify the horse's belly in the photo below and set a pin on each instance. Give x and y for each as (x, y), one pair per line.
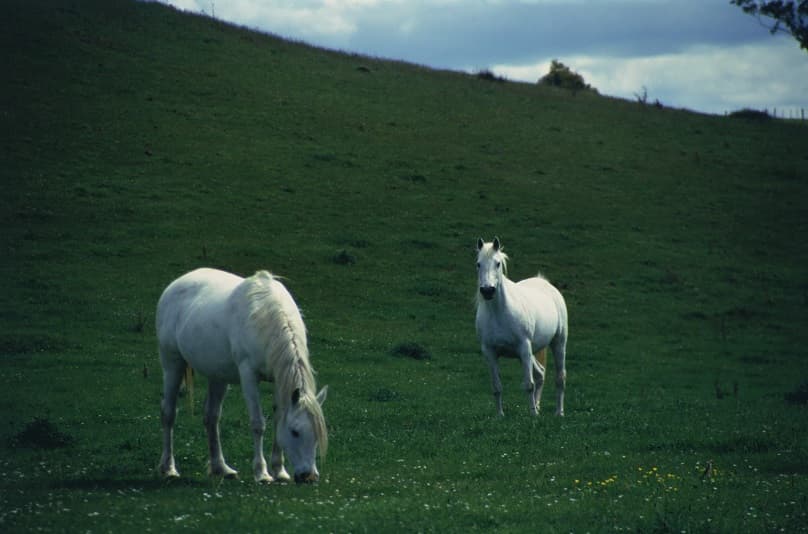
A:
(222, 373)
(506, 351)
(509, 343)
(207, 350)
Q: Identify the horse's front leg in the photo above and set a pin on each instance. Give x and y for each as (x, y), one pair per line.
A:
(496, 383)
(213, 412)
(249, 385)
(276, 460)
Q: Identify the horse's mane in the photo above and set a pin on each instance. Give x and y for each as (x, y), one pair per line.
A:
(505, 259)
(283, 336)
(488, 250)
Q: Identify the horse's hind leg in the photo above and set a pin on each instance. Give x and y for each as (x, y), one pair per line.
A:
(539, 366)
(173, 371)
(559, 347)
(213, 412)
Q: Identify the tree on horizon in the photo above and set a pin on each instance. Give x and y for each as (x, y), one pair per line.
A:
(787, 16)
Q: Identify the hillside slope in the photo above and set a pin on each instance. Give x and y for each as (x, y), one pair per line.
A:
(141, 136)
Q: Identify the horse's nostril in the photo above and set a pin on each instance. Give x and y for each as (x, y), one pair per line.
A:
(487, 291)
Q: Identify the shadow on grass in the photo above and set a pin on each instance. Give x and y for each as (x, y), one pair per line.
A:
(141, 484)
(41, 434)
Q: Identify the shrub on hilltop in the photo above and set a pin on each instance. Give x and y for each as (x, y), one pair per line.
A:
(562, 76)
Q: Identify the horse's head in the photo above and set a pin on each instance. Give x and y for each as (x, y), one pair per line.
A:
(491, 264)
(301, 430)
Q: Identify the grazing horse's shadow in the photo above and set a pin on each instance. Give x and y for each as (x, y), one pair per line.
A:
(128, 484)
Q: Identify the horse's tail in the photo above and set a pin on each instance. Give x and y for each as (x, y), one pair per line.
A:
(188, 378)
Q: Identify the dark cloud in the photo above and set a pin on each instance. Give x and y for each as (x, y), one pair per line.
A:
(456, 35)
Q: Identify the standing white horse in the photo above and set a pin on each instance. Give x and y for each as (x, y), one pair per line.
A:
(518, 320)
(235, 330)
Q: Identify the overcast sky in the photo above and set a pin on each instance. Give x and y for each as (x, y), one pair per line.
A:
(704, 55)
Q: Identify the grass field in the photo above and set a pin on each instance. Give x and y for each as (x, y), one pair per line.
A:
(139, 143)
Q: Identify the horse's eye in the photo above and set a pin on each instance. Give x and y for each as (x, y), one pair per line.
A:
(295, 434)
(498, 264)
(478, 264)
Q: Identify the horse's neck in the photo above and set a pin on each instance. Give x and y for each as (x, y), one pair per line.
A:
(507, 293)
(505, 298)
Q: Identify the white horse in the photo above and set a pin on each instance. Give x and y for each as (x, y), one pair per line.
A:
(235, 330)
(518, 320)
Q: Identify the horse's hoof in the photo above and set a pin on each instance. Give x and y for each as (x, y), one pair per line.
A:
(282, 476)
(224, 472)
(264, 478)
(306, 478)
(170, 474)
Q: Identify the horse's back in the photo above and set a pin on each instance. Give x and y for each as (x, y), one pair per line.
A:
(191, 312)
(217, 321)
(191, 292)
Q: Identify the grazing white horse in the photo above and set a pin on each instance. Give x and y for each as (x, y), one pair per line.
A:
(518, 320)
(239, 331)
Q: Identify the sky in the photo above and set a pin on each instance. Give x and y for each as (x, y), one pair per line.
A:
(703, 55)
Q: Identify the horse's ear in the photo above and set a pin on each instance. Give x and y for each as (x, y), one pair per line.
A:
(497, 244)
(480, 243)
(322, 395)
(295, 396)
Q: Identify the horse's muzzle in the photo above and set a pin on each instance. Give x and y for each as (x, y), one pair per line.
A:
(488, 292)
(306, 478)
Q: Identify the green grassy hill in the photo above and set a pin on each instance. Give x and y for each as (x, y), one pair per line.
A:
(139, 142)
